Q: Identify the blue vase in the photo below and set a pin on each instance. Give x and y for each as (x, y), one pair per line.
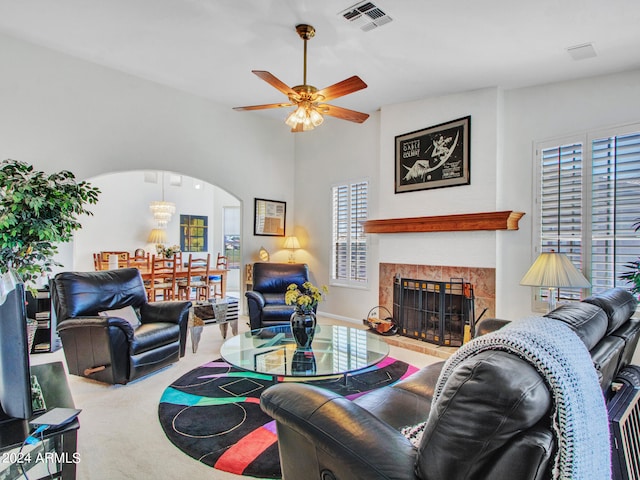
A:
(303, 327)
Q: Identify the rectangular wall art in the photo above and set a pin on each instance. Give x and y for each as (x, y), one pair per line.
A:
(269, 217)
(193, 233)
(434, 157)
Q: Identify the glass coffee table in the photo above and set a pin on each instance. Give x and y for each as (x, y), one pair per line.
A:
(335, 351)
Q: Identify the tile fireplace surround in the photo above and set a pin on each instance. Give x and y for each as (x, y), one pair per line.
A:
(482, 279)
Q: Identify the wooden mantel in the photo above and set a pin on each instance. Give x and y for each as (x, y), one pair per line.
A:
(507, 220)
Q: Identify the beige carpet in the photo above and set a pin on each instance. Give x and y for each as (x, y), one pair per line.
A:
(120, 436)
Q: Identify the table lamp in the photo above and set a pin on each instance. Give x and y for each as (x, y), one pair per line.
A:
(292, 244)
(157, 236)
(554, 270)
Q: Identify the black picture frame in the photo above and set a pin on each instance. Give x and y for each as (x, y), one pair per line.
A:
(434, 157)
(269, 217)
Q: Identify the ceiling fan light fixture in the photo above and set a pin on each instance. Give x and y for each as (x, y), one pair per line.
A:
(307, 124)
(315, 117)
(305, 115)
(309, 101)
(296, 117)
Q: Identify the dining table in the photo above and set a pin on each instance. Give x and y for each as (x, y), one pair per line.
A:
(183, 270)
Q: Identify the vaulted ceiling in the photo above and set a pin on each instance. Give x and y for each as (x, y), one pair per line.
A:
(403, 49)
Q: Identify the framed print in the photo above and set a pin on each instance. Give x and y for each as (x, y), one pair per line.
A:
(269, 217)
(435, 157)
(193, 233)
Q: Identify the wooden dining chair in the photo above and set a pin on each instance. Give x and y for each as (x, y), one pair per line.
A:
(123, 258)
(215, 281)
(142, 261)
(163, 279)
(97, 262)
(197, 280)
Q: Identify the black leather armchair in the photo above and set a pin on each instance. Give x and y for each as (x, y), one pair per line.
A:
(109, 348)
(495, 424)
(270, 281)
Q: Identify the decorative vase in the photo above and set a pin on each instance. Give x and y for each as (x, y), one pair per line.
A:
(303, 327)
(196, 333)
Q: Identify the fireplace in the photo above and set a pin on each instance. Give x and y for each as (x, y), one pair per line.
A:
(433, 311)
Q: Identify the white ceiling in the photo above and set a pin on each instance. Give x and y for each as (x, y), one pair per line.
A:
(209, 47)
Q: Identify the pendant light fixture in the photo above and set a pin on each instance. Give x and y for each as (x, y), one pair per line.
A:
(162, 210)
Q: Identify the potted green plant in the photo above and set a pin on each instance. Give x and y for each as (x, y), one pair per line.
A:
(632, 275)
(37, 212)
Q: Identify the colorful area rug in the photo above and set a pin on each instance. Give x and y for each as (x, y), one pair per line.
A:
(213, 413)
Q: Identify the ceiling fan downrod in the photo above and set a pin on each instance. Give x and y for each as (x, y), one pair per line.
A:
(305, 32)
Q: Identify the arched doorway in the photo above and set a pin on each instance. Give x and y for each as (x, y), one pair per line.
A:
(122, 219)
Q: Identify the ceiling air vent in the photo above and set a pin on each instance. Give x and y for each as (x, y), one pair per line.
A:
(365, 15)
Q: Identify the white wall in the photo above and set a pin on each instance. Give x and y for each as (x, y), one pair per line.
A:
(504, 126)
(473, 249)
(336, 152)
(58, 113)
(540, 113)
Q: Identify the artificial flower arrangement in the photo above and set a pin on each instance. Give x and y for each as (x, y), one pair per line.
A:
(305, 298)
(167, 252)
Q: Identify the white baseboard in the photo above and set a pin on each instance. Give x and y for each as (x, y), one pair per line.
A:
(341, 318)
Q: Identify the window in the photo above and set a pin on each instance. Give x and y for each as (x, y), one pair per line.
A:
(349, 243)
(588, 200)
(231, 236)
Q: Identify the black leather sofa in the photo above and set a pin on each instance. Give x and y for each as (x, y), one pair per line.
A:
(109, 348)
(324, 436)
(266, 302)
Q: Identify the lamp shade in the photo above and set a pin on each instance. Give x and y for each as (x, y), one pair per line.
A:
(291, 242)
(554, 270)
(157, 235)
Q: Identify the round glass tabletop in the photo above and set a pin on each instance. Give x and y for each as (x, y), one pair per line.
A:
(335, 350)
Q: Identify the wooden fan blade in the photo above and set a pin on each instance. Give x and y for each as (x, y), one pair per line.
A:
(345, 87)
(262, 107)
(343, 113)
(275, 82)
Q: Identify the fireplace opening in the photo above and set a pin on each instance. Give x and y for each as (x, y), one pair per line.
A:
(433, 311)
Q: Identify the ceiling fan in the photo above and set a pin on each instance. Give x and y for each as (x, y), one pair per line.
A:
(308, 100)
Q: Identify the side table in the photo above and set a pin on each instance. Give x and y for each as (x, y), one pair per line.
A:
(216, 311)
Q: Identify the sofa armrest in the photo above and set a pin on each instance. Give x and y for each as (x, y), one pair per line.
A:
(423, 381)
(256, 297)
(96, 321)
(488, 325)
(170, 312)
(338, 435)
(255, 302)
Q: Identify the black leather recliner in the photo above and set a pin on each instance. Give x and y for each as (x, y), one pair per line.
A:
(266, 302)
(496, 424)
(109, 348)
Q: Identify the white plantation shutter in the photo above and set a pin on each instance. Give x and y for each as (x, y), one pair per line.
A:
(561, 208)
(615, 207)
(349, 243)
(588, 202)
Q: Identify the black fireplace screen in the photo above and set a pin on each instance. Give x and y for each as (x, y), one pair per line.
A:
(435, 312)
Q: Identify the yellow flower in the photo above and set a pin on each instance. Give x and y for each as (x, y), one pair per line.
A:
(305, 298)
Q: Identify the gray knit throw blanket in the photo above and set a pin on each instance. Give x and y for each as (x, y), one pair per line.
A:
(580, 417)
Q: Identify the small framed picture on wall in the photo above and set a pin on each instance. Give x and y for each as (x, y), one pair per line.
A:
(434, 157)
(269, 217)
